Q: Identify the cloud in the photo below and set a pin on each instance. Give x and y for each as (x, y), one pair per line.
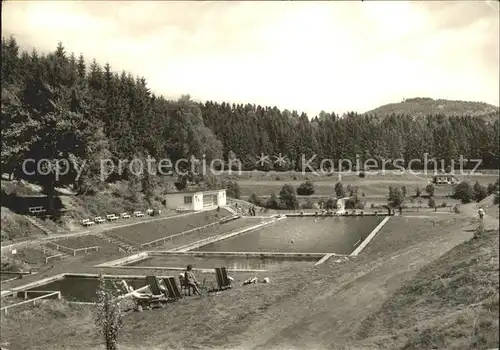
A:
(333, 56)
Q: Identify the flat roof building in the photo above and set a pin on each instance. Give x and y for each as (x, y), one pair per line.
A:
(196, 200)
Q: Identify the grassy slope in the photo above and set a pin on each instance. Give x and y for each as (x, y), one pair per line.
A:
(322, 307)
(426, 106)
(452, 303)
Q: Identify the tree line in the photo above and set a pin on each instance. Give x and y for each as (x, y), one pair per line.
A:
(60, 106)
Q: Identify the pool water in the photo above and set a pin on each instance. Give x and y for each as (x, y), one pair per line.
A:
(230, 262)
(339, 235)
(82, 288)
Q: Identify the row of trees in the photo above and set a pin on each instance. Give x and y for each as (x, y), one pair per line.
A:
(397, 196)
(58, 106)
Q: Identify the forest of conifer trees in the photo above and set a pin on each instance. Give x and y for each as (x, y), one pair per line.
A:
(56, 106)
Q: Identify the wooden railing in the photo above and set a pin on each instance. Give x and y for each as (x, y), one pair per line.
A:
(72, 251)
(34, 300)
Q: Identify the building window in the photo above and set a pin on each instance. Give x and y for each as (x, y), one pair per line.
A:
(188, 200)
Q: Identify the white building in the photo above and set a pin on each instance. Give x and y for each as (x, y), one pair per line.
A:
(196, 200)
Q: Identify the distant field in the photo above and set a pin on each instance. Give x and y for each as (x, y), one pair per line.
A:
(372, 185)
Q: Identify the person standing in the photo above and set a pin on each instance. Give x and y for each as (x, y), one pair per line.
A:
(480, 211)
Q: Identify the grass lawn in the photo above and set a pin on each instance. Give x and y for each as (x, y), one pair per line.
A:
(209, 232)
(151, 231)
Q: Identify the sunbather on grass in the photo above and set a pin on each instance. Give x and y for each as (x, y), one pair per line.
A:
(191, 279)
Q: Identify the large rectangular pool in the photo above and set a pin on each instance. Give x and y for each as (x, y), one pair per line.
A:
(339, 235)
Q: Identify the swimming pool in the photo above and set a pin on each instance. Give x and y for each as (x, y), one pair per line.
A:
(82, 288)
(338, 235)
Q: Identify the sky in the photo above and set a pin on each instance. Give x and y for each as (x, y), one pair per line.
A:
(301, 55)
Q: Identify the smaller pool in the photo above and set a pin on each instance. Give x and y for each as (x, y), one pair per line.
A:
(80, 288)
(230, 262)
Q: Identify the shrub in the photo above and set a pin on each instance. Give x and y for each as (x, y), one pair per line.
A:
(109, 314)
(254, 199)
(373, 206)
(340, 191)
(331, 204)
(309, 204)
(233, 189)
(418, 192)
(395, 197)
(430, 190)
(493, 188)
(306, 188)
(479, 232)
(463, 192)
(444, 205)
(277, 178)
(431, 202)
(272, 202)
(288, 198)
(362, 174)
(480, 192)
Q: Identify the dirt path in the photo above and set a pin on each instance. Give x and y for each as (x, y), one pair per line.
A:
(330, 313)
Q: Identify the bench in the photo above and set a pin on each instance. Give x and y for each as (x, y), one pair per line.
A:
(111, 217)
(99, 220)
(36, 210)
(87, 222)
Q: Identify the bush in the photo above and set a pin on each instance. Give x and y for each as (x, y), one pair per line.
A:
(254, 199)
(444, 205)
(306, 188)
(309, 204)
(418, 192)
(288, 198)
(331, 204)
(233, 189)
(463, 192)
(109, 314)
(273, 202)
(480, 192)
(340, 191)
(493, 188)
(373, 206)
(431, 202)
(277, 178)
(362, 174)
(395, 197)
(430, 190)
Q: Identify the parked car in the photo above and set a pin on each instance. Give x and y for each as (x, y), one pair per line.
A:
(112, 217)
(138, 214)
(125, 216)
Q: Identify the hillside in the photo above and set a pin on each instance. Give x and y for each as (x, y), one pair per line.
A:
(422, 106)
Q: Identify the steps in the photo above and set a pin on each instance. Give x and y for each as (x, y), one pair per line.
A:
(122, 246)
(231, 210)
(39, 225)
